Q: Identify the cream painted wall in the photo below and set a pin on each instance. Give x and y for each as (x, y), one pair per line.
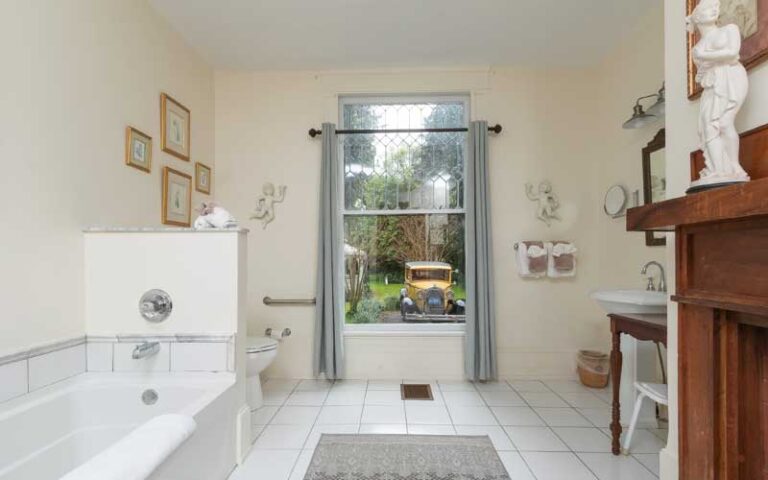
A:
(560, 125)
(201, 272)
(682, 138)
(261, 136)
(541, 324)
(78, 72)
(636, 68)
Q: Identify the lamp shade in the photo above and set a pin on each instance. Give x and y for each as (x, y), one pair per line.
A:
(639, 118)
(658, 109)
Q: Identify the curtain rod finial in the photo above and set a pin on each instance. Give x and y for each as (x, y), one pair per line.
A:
(313, 132)
(496, 128)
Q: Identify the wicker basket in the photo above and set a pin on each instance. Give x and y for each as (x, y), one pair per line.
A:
(594, 368)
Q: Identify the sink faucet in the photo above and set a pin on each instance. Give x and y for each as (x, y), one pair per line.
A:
(146, 349)
(662, 278)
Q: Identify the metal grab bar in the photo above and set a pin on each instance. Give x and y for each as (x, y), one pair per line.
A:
(288, 301)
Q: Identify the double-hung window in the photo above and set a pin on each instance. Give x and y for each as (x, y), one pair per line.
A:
(403, 166)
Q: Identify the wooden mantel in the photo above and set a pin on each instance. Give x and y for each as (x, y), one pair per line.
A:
(722, 290)
(746, 200)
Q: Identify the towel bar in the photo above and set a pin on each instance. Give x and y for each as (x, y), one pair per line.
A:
(288, 301)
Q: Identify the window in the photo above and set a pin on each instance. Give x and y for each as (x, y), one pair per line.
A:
(403, 209)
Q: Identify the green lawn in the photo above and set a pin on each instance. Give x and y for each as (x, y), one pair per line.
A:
(381, 291)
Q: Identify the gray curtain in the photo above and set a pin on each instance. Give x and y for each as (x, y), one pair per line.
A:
(329, 309)
(480, 351)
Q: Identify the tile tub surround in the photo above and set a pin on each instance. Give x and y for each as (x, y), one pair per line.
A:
(99, 229)
(30, 369)
(178, 353)
(534, 442)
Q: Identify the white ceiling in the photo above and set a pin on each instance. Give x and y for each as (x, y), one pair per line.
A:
(336, 34)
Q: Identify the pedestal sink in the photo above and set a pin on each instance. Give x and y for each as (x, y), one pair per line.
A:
(631, 301)
(639, 357)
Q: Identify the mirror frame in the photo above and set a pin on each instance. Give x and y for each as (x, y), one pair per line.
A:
(623, 210)
(658, 143)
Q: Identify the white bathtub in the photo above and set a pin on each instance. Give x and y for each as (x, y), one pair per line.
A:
(47, 433)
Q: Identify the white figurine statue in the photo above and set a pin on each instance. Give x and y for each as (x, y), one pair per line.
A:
(548, 202)
(214, 216)
(265, 204)
(724, 83)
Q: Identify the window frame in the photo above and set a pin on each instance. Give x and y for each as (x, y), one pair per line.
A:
(398, 329)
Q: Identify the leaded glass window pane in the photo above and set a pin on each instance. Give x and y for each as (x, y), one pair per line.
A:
(404, 234)
(403, 170)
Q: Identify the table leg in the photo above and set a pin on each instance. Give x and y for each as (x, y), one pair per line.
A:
(616, 360)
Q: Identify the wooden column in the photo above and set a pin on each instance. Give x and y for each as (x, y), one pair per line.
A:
(722, 291)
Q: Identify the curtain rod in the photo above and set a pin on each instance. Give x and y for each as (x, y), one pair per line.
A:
(314, 132)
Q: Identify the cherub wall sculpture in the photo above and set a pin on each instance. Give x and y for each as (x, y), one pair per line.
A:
(265, 204)
(548, 202)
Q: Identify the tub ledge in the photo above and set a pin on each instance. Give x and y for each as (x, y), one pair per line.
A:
(139, 453)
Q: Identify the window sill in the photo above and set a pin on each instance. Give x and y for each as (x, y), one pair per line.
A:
(404, 330)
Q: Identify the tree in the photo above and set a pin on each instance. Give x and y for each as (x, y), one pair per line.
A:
(442, 153)
(359, 151)
(357, 278)
(422, 238)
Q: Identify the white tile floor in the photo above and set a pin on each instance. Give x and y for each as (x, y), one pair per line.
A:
(543, 430)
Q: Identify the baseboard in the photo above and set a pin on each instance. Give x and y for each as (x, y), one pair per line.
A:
(669, 468)
(243, 435)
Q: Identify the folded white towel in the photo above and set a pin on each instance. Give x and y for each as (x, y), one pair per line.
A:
(524, 256)
(139, 453)
(563, 249)
(557, 250)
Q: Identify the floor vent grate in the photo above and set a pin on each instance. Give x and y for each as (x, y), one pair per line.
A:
(416, 391)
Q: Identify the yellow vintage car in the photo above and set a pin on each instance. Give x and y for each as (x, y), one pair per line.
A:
(428, 291)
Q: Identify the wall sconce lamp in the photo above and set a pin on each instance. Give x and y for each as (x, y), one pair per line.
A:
(640, 118)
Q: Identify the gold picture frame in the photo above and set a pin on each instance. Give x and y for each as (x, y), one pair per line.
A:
(175, 127)
(138, 149)
(752, 18)
(177, 198)
(203, 178)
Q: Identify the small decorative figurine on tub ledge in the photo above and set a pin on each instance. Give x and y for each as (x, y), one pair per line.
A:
(214, 216)
(265, 204)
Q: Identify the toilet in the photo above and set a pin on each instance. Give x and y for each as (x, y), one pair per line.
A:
(261, 351)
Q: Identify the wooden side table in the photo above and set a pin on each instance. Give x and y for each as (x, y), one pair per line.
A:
(641, 326)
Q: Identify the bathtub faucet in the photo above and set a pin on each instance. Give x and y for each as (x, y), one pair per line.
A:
(146, 349)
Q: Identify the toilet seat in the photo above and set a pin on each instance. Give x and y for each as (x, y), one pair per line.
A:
(260, 344)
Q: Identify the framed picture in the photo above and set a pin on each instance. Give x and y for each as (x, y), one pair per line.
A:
(752, 18)
(203, 178)
(177, 198)
(175, 120)
(138, 149)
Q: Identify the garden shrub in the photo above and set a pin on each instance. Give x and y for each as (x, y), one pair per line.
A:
(391, 304)
(368, 311)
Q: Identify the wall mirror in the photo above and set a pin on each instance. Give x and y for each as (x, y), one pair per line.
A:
(655, 180)
(615, 201)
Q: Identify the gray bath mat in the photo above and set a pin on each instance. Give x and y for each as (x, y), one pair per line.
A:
(405, 457)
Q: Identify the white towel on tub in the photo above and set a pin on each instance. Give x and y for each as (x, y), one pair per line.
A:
(138, 454)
